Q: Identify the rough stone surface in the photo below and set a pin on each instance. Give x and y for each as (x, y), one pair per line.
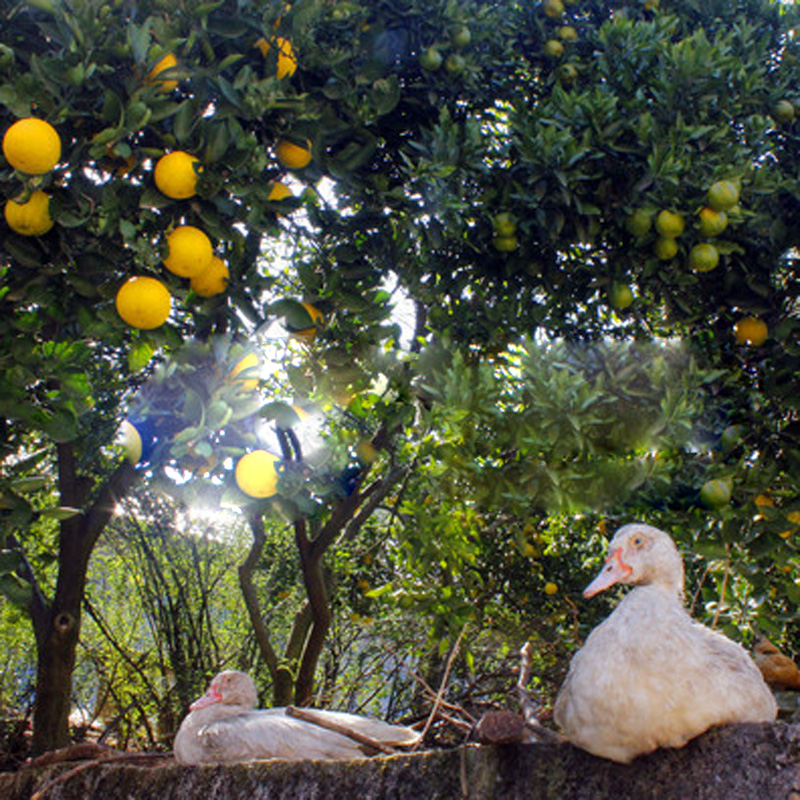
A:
(734, 763)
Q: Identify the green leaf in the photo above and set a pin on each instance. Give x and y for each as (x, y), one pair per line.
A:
(15, 589)
(60, 513)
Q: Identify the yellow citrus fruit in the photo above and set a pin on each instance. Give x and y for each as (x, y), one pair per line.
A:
(712, 222)
(751, 330)
(665, 248)
(256, 474)
(550, 588)
(278, 191)
(783, 111)
(176, 176)
(189, 251)
(703, 257)
(32, 146)
(568, 33)
(639, 222)
(130, 440)
(723, 195)
(287, 61)
(669, 224)
(249, 363)
(505, 244)
(553, 48)
(716, 493)
(293, 156)
(31, 218)
(143, 302)
(168, 62)
(212, 280)
(621, 296)
(553, 8)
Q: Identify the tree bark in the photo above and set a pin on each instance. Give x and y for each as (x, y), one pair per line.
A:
(57, 623)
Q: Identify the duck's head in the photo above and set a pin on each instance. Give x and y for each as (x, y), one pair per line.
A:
(640, 554)
(231, 688)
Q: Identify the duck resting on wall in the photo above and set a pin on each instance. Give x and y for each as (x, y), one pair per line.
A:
(649, 676)
(224, 726)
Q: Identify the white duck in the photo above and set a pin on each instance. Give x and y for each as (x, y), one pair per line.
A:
(224, 726)
(649, 676)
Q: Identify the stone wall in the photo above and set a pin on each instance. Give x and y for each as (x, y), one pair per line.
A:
(743, 762)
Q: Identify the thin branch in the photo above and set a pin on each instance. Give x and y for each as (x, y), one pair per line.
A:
(531, 707)
(724, 587)
(440, 694)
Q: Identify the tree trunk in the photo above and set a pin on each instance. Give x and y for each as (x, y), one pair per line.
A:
(57, 624)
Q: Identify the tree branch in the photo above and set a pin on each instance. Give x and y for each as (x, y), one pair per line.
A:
(248, 590)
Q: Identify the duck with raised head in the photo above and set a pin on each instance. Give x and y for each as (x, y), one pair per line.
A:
(224, 726)
(649, 676)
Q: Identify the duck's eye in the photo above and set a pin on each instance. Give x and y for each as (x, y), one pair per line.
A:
(637, 541)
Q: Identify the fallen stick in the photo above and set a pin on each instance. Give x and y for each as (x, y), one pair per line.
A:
(322, 722)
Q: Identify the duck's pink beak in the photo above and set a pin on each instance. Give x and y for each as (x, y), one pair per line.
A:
(209, 698)
(614, 571)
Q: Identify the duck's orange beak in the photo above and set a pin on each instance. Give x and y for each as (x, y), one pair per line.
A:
(614, 571)
(210, 697)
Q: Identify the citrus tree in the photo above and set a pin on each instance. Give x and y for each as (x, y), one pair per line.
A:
(576, 170)
(149, 152)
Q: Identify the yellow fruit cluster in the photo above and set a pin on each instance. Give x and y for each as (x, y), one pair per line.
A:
(31, 146)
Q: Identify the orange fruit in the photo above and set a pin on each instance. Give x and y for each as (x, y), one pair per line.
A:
(751, 330)
(621, 296)
(31, 218)
(256, 474)
(703, 257)
(32, 146)
(669, 224)
(287, 61)
(431, 59)
(293, 156)
(505, 244)
(550, 588)
(553, 48)
(175, 175)
(553, 8)
(665, 248)
(783, 112)
(189, 251)
(639, 222)
(278, 191)
(716, 492)
(167, 62)
(213, 280)
(504, 224)
(143, 302)
(723, 195)
(712, 222)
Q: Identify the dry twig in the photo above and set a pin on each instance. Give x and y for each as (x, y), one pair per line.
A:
(440, 694)
(316, 719)
(531, 707)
